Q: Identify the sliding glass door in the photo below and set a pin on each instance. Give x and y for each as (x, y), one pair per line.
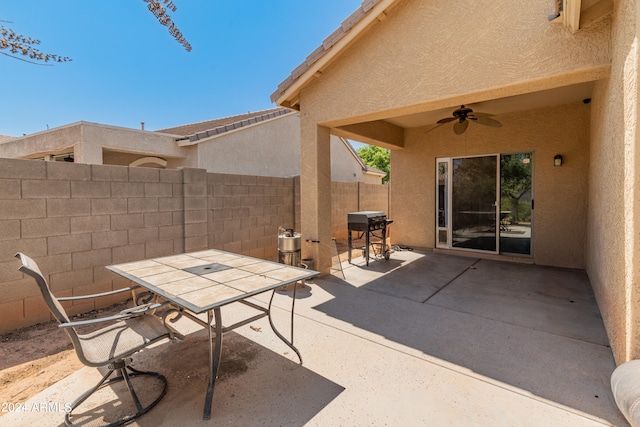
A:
(484, 203)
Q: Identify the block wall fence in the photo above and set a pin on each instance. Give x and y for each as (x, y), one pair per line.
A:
(75, 219)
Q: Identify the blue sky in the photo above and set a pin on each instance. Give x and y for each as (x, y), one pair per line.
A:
(127, 68)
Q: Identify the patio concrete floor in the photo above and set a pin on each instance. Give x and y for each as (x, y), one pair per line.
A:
(421, 339)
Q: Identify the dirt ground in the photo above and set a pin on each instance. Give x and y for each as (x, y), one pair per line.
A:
(36, 357)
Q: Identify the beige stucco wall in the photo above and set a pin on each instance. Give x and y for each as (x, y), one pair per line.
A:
(430, 55)
(560, 193)
(613, 247)
(88, 142)
(273, 149)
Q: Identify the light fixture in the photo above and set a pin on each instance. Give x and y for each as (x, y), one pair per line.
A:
(557, 160)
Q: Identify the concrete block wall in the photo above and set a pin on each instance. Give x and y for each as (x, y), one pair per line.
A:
(245, 213)
(75, 219)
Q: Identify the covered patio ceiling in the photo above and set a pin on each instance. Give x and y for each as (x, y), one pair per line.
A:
(387, 130)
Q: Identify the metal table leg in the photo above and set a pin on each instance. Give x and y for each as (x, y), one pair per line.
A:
(273, 326)
(214, 359)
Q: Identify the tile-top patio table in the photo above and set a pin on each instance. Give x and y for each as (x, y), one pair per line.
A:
(204, 281)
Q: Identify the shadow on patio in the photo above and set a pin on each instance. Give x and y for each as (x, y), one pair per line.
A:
(535, 329)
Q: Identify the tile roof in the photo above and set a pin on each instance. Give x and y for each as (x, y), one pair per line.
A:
(326, 45)
(201, 130)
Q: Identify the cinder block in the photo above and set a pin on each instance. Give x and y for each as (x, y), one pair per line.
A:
(52, 264)
(232, 202)
(128, 253)
(233, 225)
(195, 190)
(195, 243)
(19, 209)
(22, 169)
(92, 258)
(90, 224)
(44, 227)
(158, 248)
(36, 309)
(109, 206)
(68, 207)
(68, 171)
(11, 314)
(228, 179)
(215, 178)
(70, 279)
(10, 189)
(192, 217)
(241, 236)
(68, 243)
(109, 173)
(127, 221)
(143, 204)
(239, 191)
(17, 290)
(32, 247)
(171, 232)
(194, 176)
(194, 230)
(247, 180)
(90, 189)
(235, 247)
(171, 175)
(127, 189)
(142, 235)
(109, 239)
(195, 203)
(144, 175)
(156, 219)
(158, 189)
(166, 204)
(10, 229)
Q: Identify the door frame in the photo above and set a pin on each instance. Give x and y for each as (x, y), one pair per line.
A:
(446, 231)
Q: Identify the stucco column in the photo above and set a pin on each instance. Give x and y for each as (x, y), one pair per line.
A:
(315, 193)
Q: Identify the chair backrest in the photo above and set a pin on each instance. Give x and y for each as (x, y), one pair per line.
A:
(30, 267)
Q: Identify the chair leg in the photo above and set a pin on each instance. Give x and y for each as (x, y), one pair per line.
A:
(122, 367)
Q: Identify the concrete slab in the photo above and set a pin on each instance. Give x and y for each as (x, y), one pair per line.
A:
(370, 358)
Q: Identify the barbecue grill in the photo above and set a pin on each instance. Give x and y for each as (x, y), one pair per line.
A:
(369, 224)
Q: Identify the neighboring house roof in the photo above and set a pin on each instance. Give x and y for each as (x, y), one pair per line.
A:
(196, 131)
(365, 167)
(4, 138)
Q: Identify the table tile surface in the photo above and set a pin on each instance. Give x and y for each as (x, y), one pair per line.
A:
(244, 277)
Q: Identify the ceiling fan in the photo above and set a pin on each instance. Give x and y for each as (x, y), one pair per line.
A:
(464, 115)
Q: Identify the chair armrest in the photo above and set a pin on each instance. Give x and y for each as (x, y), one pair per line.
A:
(103, 294)
(124, 314)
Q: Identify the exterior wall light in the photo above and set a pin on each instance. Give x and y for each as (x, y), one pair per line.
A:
(557, 160)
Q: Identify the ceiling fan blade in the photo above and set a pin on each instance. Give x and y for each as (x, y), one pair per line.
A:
(435, 127)
(446, 120)
(488, 122)
(460, 127)
(478, 114)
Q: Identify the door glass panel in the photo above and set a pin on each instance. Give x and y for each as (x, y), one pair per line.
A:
(515, 203)
(443, 204)
(473, 216)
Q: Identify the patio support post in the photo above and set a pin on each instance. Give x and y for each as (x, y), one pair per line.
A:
(315, 193)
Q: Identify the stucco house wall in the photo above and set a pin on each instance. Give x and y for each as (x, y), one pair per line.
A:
(613, 249)
(418, 57)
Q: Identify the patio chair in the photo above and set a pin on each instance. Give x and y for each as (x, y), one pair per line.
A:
(111, 346)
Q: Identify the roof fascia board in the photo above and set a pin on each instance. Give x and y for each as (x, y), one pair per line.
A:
(317, 61)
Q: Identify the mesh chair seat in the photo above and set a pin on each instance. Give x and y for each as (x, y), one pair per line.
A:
(121, 339)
